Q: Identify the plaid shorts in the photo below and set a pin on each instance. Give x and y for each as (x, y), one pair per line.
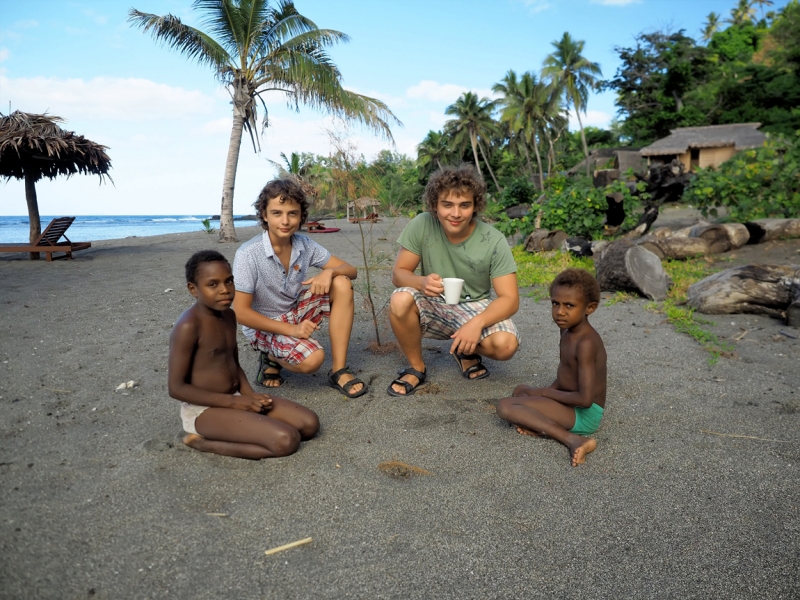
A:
(440, 320)
(309, 307)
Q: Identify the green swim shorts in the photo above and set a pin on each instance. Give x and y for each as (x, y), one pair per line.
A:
(587, 420)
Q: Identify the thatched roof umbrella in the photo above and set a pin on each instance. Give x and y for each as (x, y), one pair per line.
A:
(34, 146)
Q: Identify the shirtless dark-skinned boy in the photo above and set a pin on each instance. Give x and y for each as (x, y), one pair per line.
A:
(220, 411)
(572, 406)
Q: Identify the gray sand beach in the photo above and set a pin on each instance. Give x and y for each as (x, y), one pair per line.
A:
(693, 491)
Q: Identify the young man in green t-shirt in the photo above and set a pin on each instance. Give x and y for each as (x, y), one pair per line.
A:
(450, 241)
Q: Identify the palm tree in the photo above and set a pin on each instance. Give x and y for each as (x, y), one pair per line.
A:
(743, 13)
(34, 146)
(255, 48)
(711, 27)
(575, 75)
(761, 4)
(433, 149)
(473, 121)
(529, 106)
(296, 168)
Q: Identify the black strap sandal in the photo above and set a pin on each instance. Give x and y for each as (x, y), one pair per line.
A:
(478, 366)
(265, 362)
(333, 380)
(410, 387)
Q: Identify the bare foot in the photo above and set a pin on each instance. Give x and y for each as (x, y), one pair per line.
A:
(523, 431)
(195, 441)
(579, 451)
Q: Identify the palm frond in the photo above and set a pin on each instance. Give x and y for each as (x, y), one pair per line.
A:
(187, 40)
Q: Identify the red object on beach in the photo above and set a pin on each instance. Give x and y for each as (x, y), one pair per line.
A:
(317, 227)
(323, 230)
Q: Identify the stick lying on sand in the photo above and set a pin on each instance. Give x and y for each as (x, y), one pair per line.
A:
(746, 437)
(287, 546)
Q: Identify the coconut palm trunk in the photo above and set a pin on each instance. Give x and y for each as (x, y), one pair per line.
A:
(528, 158)
(33, 211)
(583, 139)
(538, 161)
(488, 166)
(473, 139)
(227, 231)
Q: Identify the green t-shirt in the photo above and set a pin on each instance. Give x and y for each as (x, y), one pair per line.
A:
(483, 256)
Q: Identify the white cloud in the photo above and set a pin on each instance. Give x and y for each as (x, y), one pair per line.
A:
(537, 6)
(442, 92)
(616, 2)
(104, 98)
(4, 54)
(98, 19)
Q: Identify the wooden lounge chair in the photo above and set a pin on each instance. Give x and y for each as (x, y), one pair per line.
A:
(49, 242)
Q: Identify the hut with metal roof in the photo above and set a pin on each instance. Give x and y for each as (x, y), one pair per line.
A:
(707, 146)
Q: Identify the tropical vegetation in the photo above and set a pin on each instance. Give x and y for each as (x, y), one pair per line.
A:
(742, 68)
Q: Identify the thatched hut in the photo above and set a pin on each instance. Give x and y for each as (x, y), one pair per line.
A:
(703, 147)
(621, 159)
(34, 146)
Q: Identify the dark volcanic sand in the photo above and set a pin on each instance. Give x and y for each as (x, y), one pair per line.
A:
(98, 497)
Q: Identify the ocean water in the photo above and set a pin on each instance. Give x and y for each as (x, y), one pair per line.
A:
(93, 228)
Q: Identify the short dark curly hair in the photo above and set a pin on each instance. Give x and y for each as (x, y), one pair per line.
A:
(581, 279)
(197, 259)
(287, 190)
(463, 179)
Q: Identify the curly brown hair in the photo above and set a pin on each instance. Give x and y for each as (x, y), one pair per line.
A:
(463, 179)
(580, 279)
(286, 190)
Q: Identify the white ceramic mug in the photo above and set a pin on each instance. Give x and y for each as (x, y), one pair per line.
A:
(452, 289)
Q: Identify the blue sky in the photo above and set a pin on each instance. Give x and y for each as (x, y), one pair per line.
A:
(167, 122)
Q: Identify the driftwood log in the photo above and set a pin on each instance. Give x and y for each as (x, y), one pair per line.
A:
(738, 234)
(716, 236)
(676, 248)
(624, 266)
(543, 240)
(697, 240)
(766, 230)
(772, 290)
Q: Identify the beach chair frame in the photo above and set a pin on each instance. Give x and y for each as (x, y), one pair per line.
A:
(49, 241)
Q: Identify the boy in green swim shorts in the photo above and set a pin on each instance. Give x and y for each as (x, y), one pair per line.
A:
(572, 406)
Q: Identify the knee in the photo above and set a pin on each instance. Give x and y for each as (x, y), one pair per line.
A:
(285, 442)
(506, 347)
(309, 426)
(504, 408)
(341, 287)
(312, 363)
(401, 303)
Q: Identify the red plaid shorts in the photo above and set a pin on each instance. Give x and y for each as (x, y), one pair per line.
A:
(309, 307)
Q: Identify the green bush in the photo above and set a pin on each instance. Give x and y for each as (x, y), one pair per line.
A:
(754, 184)
(519, 191)
(579, 208)
(576, 207)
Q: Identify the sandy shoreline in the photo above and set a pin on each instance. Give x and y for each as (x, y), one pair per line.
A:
(99, 499)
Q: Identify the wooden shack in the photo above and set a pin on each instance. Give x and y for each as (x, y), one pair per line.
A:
(704, 147)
